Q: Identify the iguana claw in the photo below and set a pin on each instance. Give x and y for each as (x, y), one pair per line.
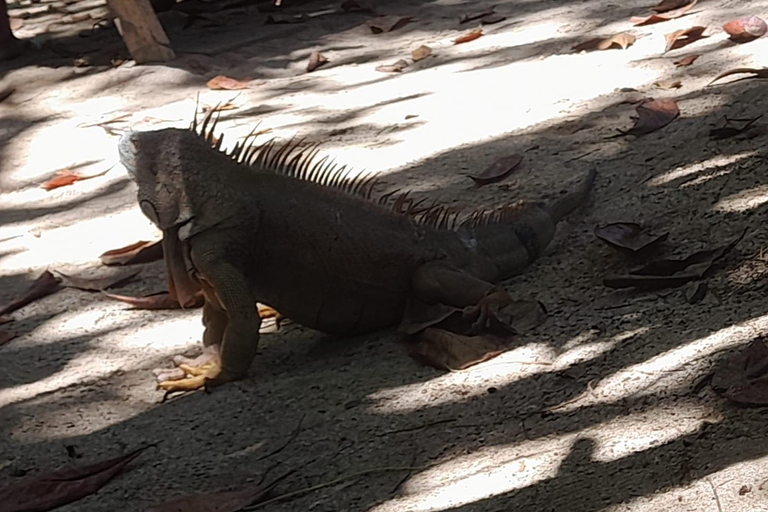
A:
(190, 374)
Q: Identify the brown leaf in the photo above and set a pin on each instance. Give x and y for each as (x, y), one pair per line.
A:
(758, 72)
(653, 115)
(219, 501)
(672, 273)
(622, 40)
(66, 177)
(97, 284)
(742, 377)
(281, 19)
(726, 132)
(629, 236)
(387, 23)
(493, 18)
(445, 350)
(670, 5)
(687, 60)
(316, 59)
(140, 252)
(44, 285)
(658, 17)
(6, 336)
(56, 488)
(498, 170)
(5, 93)
(668, 84)
(469, 36)
(476, 15)
(744, 30)
(421, 52)
(684, 37)
(221, 82)
(162, 300)
(397, 67)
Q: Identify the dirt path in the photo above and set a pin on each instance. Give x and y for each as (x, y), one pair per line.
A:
(594, 410)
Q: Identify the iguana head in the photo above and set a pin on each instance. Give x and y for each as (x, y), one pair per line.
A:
(155, 160)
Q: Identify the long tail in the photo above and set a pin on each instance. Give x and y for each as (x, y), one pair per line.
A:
(573, 199)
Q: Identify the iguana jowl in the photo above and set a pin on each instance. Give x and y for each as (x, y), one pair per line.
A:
(275, 224)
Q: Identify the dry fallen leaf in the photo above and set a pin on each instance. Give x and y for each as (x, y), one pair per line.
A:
(66, 177)
(653, 115)
(757, 72)
(421, 52)
(469, 36)
(56, 488)
(140, 252)
(397, 67)
(96, 284)
(727, 131)
(658, 17)
(672, 273)
(668, 84)
(221, 82)
(219, 501)
(5, 93)
(742, 377)
(387, 23)
(493, 18)
(499, 170)
(162, 300)
(476, 15)
(281, 19)
(5, 337)
(684, 37)
(445, 350)
(44, 285)
(670, 5)
(5, 319)
(687, 60)
(316, 59)
(628, 236)
(622, 40)
(744, 30)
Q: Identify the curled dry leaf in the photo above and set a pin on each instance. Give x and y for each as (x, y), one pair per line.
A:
(5, 93)
(684, 37)
(422, 52)
(757, 72)
(472, 16)
(387, 23)
(658, 17)
(687, 60)
(56, 488)
(653, 115)
(622, 40)
(493, 18)
(743, 377)
(469, 36)
(354, 6)
(446, 350)
(628, 236)
(225, 83)
(744, 30)
(66, 177)
(162, 300)
(140, 252)
(672, 273)
(316, 59)
(43, 286)
(6, 336)
(670, 5)
(728, 131)
(668, 84)
(96, 284)
(498, 170)
(282, 19)
(397, 67)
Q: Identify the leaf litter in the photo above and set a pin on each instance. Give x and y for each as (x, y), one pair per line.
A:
(728, 131)
(422, 52)
(629, 236)
(476, 15)
(743, 377)
(139, 252)
(316, 59)
(55, 488)
(396, 67)
(621, 40)
(684, 37)
(498, 170)
(66, 177)
(469, 36)
(96, 284)
(653, 115)
(382, 24)
(225, 83)
(160, 300)
(687, 60)
(43, 286)
(757, 72)
(664, 15)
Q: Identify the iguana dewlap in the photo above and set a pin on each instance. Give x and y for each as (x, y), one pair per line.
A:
(276, 225)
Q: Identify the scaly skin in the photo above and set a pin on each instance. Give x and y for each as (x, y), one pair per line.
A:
(324, 258)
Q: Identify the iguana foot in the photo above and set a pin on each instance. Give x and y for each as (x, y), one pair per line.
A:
(190, 374)
(485, 315)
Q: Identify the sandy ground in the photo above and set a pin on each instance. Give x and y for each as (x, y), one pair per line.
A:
(596, 409)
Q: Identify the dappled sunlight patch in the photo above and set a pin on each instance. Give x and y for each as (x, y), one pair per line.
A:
(658, 372)
(743, 200)
(586, 350)
(686, 173)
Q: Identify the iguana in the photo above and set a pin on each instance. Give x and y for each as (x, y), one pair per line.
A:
(276, 224)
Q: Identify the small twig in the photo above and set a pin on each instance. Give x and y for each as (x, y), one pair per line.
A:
(417, 427)
(106, 121)
(717, 498)
(290, 439)
(583, 155)
(331, 483)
